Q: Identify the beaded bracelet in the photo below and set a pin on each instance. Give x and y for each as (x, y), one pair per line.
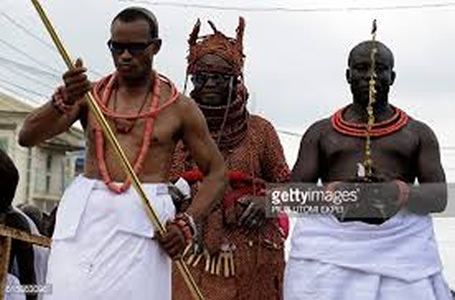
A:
(404, 192)
(58, 101)
(187, 225)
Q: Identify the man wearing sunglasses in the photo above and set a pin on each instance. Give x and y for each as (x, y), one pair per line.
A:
(104, 246)
(240, 253)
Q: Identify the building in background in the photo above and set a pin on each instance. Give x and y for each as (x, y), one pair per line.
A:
(448, 162)
(45, 170)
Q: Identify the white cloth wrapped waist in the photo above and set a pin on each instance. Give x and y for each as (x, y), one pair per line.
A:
(124, 212)
(102, 247)
(403, 247)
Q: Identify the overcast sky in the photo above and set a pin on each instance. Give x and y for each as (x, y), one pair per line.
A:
(295, 61)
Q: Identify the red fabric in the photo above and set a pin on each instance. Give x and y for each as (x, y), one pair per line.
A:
(283, 222)
(260, 156)
(234, 176)
(243, 185)
(253, 155)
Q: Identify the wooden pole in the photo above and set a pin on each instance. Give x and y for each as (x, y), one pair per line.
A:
(5, 251)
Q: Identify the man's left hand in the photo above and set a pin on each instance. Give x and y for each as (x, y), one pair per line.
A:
(380, 193)
(383, 197)
(254, 215)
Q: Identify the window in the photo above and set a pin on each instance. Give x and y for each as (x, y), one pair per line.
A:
(79, 165)
(48, 183)
(4, 144)
(48, 173)
(49, 163)
(43, 173)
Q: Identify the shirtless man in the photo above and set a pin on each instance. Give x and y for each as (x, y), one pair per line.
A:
(102, 247)
(21, 253)
(367, 254)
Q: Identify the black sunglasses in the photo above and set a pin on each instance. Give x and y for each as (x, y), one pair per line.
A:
(133, 48)
(202, 78)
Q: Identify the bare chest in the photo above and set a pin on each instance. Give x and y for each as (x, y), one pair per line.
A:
(152, 132)
(393, 154)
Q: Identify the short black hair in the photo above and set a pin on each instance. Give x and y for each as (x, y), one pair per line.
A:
(132, 14)
(369, 44)
(9, 178)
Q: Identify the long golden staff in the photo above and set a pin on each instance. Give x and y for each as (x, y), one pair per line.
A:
(119, 152)
(368, 162)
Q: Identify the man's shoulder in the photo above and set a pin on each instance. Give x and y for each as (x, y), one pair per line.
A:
(260, 121)
(414, 124)
(186, 108)
(16, 220)
(417, 124)
(184, 102)
(421, 129)
(320, 125)
(317, 130)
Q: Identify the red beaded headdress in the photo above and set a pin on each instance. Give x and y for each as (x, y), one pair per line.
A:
(229, 49)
